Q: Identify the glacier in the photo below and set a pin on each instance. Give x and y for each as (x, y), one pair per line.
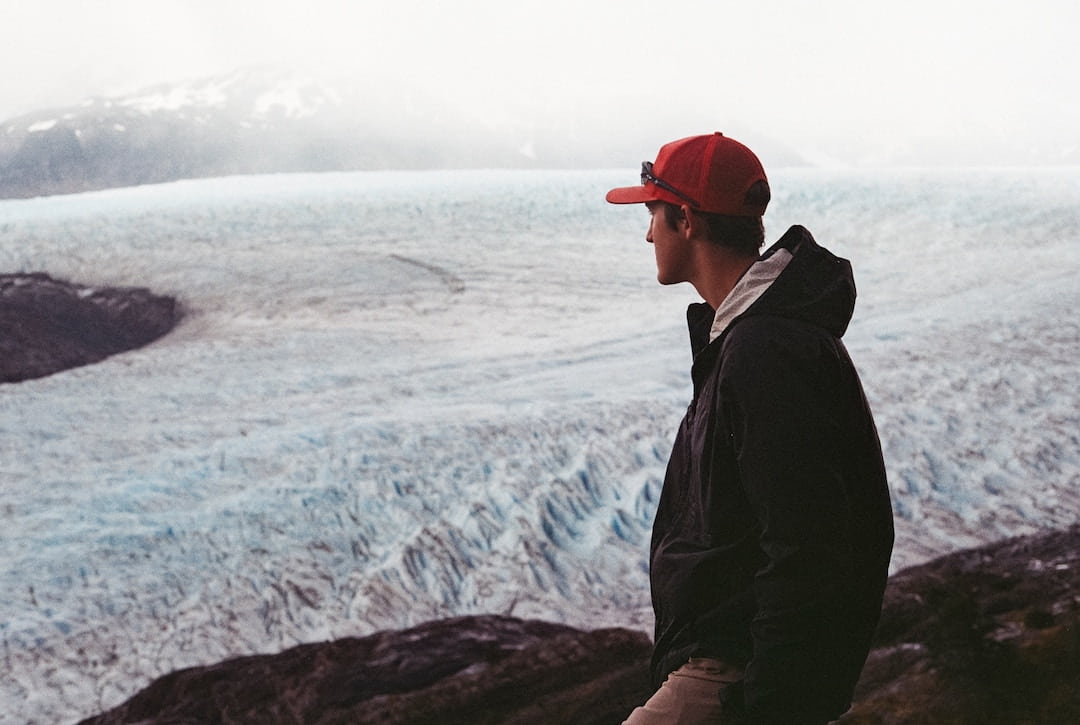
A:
(399, 396)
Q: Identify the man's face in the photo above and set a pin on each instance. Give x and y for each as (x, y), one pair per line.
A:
(672, 249)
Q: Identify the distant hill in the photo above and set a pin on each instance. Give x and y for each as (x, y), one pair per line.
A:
(266, 120)
(271, 120)
(253, 121)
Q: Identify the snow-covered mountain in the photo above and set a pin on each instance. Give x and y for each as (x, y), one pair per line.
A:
(270, 119)
(250, 121)
(267, 119)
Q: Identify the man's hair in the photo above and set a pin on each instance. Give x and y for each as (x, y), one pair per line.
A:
(743, 234)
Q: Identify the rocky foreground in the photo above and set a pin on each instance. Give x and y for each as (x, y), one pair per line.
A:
(988, 635)
(48, 325)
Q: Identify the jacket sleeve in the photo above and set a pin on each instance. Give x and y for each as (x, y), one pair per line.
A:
(782, 406)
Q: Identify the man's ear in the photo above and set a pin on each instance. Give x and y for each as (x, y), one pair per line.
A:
(687, 223)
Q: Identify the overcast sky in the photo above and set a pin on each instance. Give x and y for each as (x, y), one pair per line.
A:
(803, 71)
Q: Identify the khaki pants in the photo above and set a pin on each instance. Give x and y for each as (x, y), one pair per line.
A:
(689, 696)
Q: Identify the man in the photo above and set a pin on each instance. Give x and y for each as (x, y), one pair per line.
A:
(773, 533)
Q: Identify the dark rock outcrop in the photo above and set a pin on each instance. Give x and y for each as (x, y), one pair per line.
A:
(48, 325)
(475, 670)
(989, 635)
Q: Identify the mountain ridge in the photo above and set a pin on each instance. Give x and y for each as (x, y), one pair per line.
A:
(271, 120)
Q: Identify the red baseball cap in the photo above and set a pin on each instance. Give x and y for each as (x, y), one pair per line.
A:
(711, 173)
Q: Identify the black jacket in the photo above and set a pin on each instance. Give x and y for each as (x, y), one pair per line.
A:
(773, 533)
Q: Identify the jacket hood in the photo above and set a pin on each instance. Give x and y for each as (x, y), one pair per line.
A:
(816, 287)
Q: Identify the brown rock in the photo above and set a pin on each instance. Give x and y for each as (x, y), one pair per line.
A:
(988, 635)
(48, 325)
(483, 669)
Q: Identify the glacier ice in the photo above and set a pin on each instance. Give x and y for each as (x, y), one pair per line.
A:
(407, 395)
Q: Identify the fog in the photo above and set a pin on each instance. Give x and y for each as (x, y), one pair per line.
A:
(841, 81)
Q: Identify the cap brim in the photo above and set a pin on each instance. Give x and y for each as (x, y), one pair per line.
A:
(632, 195)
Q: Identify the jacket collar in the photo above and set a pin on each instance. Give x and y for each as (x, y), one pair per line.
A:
(795, 278)
(758, 278)
(707, 324)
